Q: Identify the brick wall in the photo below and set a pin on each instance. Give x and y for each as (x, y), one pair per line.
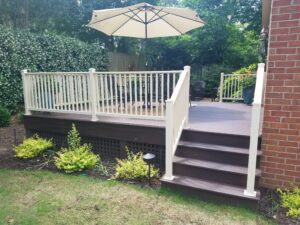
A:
(281, 128)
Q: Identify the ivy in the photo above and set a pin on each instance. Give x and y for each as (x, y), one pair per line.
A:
(20, 49)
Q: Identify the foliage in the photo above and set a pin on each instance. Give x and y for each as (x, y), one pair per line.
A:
(4, 117)
(291, 201)
(78, 159)
(247, 81)
(20, 117)
(134, 167)
(32, 147)
(74, 138)
(21, 49)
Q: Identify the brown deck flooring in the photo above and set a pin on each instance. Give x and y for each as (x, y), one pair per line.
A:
(229, 118)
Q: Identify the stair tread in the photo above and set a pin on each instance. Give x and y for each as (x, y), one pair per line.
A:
(213, 165)
(211, 186)
(216, 147)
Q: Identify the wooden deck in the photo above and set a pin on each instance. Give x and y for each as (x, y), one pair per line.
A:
(215, 117)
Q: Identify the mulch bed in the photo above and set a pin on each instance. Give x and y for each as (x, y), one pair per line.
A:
(270, 207)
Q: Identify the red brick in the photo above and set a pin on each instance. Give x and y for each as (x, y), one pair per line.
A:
(293, 57)
(284, 63)
(280, 17)
(295, 30)
(293, 162)
(288, 131)
(290, 23)
(277, 57)
(286, 51)
(294, 43)
(281, 102)
(294, 16)
(290, 9)
(279, 31)
(288, 37)
(288, 143)
(277, 3)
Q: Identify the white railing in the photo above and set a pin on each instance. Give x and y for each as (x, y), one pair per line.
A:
(129, 94)
(231, 87)
(177, 115)
(256, 121)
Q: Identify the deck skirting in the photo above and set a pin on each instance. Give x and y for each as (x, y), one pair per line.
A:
(108, 139)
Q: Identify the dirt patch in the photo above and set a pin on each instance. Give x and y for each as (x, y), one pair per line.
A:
(270, 207)
(13, 134)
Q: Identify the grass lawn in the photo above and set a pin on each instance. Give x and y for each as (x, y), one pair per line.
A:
(40, 197)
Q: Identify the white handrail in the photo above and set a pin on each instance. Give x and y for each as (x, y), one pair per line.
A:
(231, 87)
(131, 94)
(255, 128)
(177, 115)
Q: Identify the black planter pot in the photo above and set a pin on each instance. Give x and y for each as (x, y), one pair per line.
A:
(248, 94)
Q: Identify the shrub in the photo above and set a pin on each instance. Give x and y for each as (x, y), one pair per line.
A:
(32, 147)
(291, 201)
(247, 81)
(4, 117)
(77, 159)
(134, 167)
(20, 49)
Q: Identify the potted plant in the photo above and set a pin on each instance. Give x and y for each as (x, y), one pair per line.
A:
(247, 82)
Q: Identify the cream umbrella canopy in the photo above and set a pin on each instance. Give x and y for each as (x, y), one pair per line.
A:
(145, 21)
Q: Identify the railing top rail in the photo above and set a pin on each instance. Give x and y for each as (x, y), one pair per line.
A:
(178, 87)
(107, 72)
(55, 73)
(259, 87)
(138, 72)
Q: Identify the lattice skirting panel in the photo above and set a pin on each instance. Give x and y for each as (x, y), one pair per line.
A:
(109, 148)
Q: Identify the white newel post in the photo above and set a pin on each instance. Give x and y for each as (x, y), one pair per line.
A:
(169, 140)
(25, 92)
(221, 87)
(254, 130)
(188, 73)
(92, 93)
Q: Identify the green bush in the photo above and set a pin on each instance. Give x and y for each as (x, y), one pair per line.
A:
(134, 167)
(76, 157)
(21, 49)
(247, 81)
(32, 147)
(291, 201)
(4, 117)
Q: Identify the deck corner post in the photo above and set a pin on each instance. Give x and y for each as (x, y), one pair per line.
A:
(188, 73)
(25, 92)
(92, 93)
(221, 87)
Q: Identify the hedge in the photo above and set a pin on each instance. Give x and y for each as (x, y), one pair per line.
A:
(21, 49)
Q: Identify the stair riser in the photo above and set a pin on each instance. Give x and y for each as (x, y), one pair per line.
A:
(216, 138)
(214, 156)
(211, 175)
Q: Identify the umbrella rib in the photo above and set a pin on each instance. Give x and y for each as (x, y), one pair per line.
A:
(136, 14)
(123, 13)
(155, 14)
(171, 25)
(123, 24)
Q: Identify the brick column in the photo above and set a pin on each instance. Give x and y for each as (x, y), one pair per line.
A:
(281, 128)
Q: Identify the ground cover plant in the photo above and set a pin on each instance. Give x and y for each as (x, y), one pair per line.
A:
(291, 201)
(41, 197)
(134, 167)
(76, 157)
(32, 147)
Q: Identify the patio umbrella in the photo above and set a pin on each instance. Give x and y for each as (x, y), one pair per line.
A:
(145, 21)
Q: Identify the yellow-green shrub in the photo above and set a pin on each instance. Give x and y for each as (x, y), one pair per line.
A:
(291, 201)
(134, 167)
(32, 147)
(77, 159)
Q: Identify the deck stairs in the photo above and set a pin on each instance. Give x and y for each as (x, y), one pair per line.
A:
(212, 164)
